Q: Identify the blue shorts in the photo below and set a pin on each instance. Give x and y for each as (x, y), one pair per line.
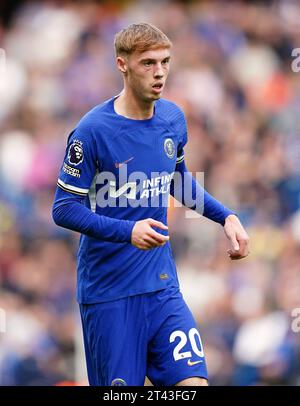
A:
(153, 335)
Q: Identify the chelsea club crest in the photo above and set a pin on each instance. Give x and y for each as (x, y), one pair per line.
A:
(169, 148)
(118, 382)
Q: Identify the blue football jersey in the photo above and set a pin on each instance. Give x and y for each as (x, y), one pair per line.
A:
(122, 168)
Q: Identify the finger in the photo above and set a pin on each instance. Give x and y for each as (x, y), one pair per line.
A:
(244, 247)
(160, 238)
(158, 224)
(236, 255)
(144, 246)
(153, 242)
(235, 247)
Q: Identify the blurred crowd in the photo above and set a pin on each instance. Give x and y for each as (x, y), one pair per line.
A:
(231, 73)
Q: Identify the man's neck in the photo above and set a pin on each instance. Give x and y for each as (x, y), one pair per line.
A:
(131, 107)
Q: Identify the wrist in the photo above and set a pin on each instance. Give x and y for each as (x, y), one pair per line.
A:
(228, 215)
(231, 217)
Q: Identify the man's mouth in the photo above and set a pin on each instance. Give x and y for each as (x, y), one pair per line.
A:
(157, 87)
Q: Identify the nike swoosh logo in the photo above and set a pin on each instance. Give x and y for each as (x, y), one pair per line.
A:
(191, 363)
(118, 165)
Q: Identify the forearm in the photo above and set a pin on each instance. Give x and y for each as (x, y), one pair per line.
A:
(69, 212)
(190, 193)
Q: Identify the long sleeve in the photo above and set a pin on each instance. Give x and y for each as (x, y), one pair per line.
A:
(189, 192)
(69, 212)
(75, 179)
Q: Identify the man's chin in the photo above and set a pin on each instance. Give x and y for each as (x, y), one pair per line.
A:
(152, 97)
(156, 96)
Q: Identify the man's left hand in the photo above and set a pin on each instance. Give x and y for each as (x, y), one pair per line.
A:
(238, 237)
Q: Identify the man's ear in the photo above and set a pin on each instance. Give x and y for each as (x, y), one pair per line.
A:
(121, 64)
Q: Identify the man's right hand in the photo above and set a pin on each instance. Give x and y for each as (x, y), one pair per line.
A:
(144, 237)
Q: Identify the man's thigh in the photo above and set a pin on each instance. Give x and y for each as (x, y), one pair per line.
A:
(175, 350)
(115, 338)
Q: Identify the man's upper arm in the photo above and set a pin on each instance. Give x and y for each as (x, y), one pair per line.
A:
(80, 163)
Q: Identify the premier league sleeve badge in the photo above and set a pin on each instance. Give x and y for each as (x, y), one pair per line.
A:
(75, 154)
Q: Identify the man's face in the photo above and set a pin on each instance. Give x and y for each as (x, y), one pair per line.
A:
(146, 72)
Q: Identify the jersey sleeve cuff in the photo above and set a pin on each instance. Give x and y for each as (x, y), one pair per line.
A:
(128, 226)
(227, 212)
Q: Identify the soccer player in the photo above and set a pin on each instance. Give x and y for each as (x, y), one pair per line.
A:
(118, 171)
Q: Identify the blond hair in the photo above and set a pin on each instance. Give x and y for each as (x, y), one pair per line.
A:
(140, 37)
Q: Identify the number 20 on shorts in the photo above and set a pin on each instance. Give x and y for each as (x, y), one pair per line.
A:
(193, 333)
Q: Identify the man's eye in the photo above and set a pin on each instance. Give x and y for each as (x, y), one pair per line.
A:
(147, 63)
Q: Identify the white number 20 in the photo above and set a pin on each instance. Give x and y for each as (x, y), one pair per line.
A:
(182, 342)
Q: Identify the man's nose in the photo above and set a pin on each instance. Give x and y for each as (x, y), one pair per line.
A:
(159, 72)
